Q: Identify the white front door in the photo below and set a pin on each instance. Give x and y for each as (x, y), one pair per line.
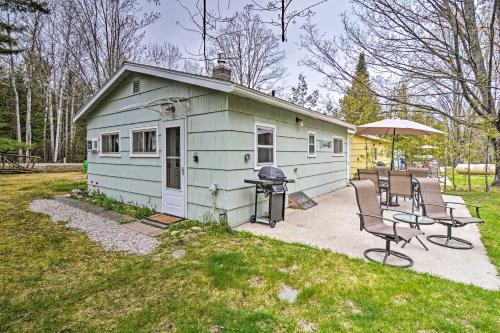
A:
(173, 168)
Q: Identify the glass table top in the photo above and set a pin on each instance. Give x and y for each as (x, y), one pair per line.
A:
(408, 218)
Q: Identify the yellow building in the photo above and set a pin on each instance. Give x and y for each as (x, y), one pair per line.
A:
(367, 150)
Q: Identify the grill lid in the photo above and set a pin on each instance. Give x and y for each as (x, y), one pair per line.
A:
(271, 173)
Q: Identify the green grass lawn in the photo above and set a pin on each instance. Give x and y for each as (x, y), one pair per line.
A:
(53, 279)
(490, 210)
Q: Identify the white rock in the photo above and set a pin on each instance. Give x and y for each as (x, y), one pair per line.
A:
(288, 294)
(179, 254)
(196, 228)
(110, 234)
(307, 326)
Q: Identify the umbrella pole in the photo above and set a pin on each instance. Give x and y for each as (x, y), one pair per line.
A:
(392, 150)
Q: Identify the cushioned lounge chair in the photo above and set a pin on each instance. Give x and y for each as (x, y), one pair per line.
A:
(372, 220)
(434, 207)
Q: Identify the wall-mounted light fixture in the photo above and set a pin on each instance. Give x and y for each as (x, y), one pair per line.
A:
(195, 157)
(169, 108)
(247, 157)
(299, 122)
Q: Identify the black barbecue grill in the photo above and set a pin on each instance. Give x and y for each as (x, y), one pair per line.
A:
(272, 183)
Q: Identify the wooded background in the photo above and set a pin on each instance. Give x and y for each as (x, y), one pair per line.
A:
(433, 61)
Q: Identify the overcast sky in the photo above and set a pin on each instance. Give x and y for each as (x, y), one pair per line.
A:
(328, 19)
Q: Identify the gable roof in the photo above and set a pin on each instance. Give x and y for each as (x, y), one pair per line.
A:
(201, 81)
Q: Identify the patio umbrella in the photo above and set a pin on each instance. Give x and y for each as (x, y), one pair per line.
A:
(427, 147)
(396, 127)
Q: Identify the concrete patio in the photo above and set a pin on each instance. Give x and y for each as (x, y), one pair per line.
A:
(333, 224)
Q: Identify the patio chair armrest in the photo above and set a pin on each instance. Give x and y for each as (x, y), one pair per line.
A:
(461, 203)
(436, 205)
(386, 219)
(399, 211)
(380, 217)
(444, 206)
(466, 204)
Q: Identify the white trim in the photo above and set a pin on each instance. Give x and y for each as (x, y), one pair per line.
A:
(168, 124)
(138, 129)
(117, 154)
(206, 82)
(220, 85)
(333, 145)
(275, 145)
(268, 99)
(308, 144)
(348, 157)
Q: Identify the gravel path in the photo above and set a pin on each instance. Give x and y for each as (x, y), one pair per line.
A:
(111, 235)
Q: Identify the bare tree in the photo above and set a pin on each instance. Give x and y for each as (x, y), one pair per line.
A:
(108, 32)
(206, 22)
(31, 58)
(163, 55)
(253, 52)
(432, 45)
(284, 12)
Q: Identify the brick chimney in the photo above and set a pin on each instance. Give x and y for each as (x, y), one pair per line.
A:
(221, 70)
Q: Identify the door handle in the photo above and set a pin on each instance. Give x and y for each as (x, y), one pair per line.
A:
(182, 171)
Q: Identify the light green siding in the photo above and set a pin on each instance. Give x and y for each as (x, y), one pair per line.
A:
(220, 131)
(139, 179)
(313, 175)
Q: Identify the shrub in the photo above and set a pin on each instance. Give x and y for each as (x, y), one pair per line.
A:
(12, 146)
(139, 212)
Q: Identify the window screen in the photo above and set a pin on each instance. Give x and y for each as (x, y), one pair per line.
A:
(338, 146)
(265, 145)
(312, 144)
(110, 143)
(144, 141)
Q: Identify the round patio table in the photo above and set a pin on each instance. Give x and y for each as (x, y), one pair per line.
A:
(411, 220)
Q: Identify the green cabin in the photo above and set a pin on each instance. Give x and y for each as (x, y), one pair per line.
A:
(182, 144)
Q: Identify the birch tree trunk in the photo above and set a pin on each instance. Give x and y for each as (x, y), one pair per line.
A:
(28, 116)
(66, 128)
(72, 116)
(50, 115)
(45, 116)
(59, 114)
(16, 100)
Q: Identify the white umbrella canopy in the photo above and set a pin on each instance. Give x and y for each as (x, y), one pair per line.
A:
(396, 127)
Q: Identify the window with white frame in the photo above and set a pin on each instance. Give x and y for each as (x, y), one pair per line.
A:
(265, 144)
(338, 146)
(311, 137)
(143, 141)
(110, 143)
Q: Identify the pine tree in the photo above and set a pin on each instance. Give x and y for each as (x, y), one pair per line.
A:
(8, 44)
(360, 105)
(300, 94)
(399, 108)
